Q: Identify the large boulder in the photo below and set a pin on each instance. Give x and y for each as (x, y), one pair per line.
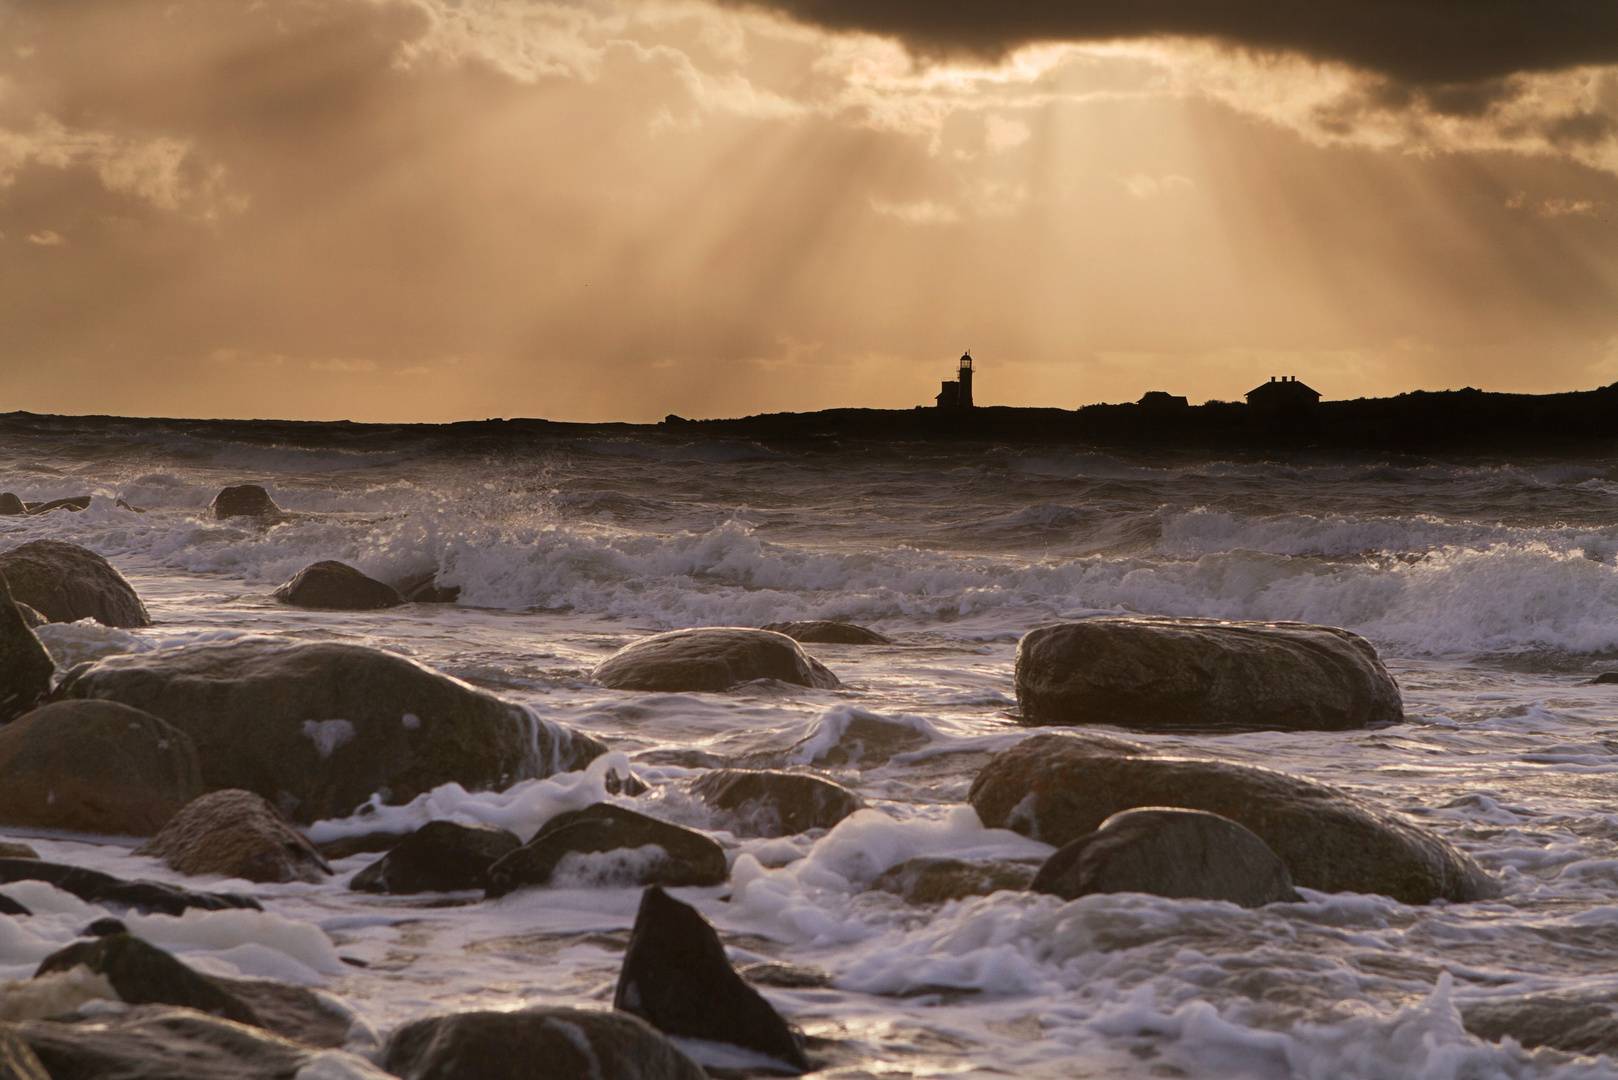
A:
(95, 887)
(535, 1044)
(711, 658)
(828, 632)
(318, 728)
(764, 802)
(238, 834)
(441, 856)
(26, 669)
(1057, 788)
(244, 500)
(1183, 854)
(677, 978)
(679, 856)
(339, 587)
(1202, 675)
(66, 583)
(95, 767)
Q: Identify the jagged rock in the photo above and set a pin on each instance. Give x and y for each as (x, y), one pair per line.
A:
(423, 588)
(688, 857)
(1199, 674)
(144, 974)
(535, 1044)
(338, 587)
(92, 886)
(66, 583)
(1057, 788)
(677, 978)
(624, 783)
(238, 834)
(441, 856)
(17, 1060)
(10, 505)
(11, 850)
(1187, 854)
(73, 504)
(764, 802)
(95, 767)
(317, 728)
(26, 668)
(828, 632)
(1573, 1023)
(8, 906)
(933, 880)
(244, 500)
(712, 658)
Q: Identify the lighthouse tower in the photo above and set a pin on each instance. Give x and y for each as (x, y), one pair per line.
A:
(965, 378)
(957, 393)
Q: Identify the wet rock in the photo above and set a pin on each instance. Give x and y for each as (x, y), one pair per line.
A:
(624, 783)
(1057, 788)
(73, 505)
(104, 928)
(131, 507)
(1202, 675)
(932, 880)
(423, 588)
(66, 583)
(686, 856)
(94, 887)
(17, 1060)
(828, 632)
(1606, 678)
(11, 850)
(238, 834)
(676, 977)
(26, 668)
(364, 844)
(317, 728)
(144, 974)
(1182, 854)
(10, 505)
(8, 906)
(535, 1044)
(441, 856)
(338, 587)
(857, 738)
(33, 618)
(765, 802)
(784, 976)
(244, 500)
(713, 659)
(95, 767)
(1574, 1023)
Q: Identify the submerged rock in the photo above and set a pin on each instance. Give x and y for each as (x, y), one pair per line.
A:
(1057, 788)
(1187, 854)
(423, 588)
(535, 1044)
(677, 978)
(26, 668)
(12, 850)
(1199, 674)
(95, 767)
(10, 505)
(8, 906)
(66, 583)
(73, 504)
(683, 856)
(238, 834)
(933, 880)
(144, 974)
(244, 500)
(441, 856)
(339, 587)
(765, 802)
(317, 728)
(828, 632)
(713, 659)
(94, 887)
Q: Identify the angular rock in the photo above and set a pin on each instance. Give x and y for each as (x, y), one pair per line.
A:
(677, 978)
(238, 834)
(10, 505)
(1057, 788)
(1203, 675)
(535, 1044)
(11, 850)
(8, 906)
(92, 886)
(73, 505)
(441, 856)
(317, 728)
(1181, 854)
(828, 632)
(712, 659)
(17, 1061)
(244, 500)
(144, 974)
(66, 583)
(423, 588)
(765, 802)
(934, 880)
(339, 587)
(26, 669)
(688, 857)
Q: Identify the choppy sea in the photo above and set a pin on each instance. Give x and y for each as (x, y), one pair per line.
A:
(1489, 586)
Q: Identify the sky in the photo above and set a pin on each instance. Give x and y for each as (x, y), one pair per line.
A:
(426, 210)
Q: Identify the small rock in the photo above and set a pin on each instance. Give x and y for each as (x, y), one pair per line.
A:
(131, 507)
(423, 588)
(713, 659)
(677, 978)
(863, 741)
(8, 906)
(688, 857)
(94, 887)
(66, 583)
(1606, 678)
(244, 500)
(11, 850)
(74, 505)
(784, 976)
(144, 974)
(765, 802)
(933, 880)
(828, 632)
(105, 928)
(17, 1060)
(535, 1044)
(338, 587)
(238, 834)
(441, 856)
(26, 668)
(625, 783)
(11, 505)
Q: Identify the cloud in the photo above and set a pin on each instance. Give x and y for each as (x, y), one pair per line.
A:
(46, 238)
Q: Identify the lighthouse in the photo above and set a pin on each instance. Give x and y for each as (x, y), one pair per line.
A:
(957, 394)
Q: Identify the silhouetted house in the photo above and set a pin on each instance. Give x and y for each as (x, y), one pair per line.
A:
(1160, 399)
(1285, 394)
(958, 394)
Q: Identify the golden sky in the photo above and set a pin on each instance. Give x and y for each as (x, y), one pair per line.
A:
(433, 210)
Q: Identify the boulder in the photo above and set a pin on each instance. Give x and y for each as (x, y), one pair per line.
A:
(12, 850)
(11, 505)
(828, 632)
(535, 1044)
(95, 887)
(764, 802)
(244, 500)
(66, 583)
(1202, 675)
(95, 767)
(441, 856)
(237, 834)
(423, 588)
(677, 978)
(26, 668)
(17, 1061)
(933, 880)
(338, 587)
(73, 505)
(144, 974)
(1057, 788)
(685, 856)
(316, 728)
(712, 658)
(1182, 854)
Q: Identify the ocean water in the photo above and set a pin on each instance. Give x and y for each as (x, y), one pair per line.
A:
(1490, 588)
